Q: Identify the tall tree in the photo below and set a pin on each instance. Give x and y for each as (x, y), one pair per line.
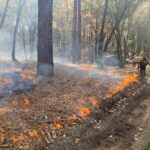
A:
(102, 37)
(74, 32)
(4, 14)
(45, 65)
(79, 25)
(19, 12)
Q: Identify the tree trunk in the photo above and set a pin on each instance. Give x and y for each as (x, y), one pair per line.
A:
(45, 66)
(24, 43)
(4, 14)
(20, 7)
(96, 42)
(119, 51)
(74, 33)
(32, 31)
(101, 39)
(116, 25)
(79, 44)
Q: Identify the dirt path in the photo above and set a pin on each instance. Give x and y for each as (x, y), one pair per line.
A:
(142, 136)
(124, 127)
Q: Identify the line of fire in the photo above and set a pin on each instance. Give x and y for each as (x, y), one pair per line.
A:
(74, 75)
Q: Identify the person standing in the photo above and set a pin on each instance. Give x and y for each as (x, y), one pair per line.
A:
(143, 65)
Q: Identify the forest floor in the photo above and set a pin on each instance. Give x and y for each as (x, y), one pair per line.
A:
(80, 108)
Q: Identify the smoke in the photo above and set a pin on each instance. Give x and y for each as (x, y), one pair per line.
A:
(26, 26)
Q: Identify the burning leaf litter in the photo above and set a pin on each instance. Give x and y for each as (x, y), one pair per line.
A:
(15, 78)
(58, 125)
(84, 111)
(48, 116)
(94, 102)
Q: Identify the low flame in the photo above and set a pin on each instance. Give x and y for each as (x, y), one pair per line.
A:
(26, 101)
(14, 138)
(58, 125)
(129, 79)
(5, 80)
(94, 102)
(26, 75)
(21, 137)
(84, 111)
(24, 137)
(34, 133)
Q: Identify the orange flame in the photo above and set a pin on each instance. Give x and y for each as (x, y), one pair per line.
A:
(129, 79)
(24, 137)
(26, 101)
(34, 133)
(84, 111)
(14, 138)
(94, 102)
(26, 75)
(5, 80)
(21, 137)
(58, 125)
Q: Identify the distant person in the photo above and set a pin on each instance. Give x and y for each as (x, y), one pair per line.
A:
(142, 65)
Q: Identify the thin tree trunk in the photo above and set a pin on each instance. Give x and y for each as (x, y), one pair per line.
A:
(4, 14)
(32, 31)
(96, 42)
(20, 7)
(115, 26)
(74, 33)
(101, 39)
(79, 44)
(119, 48)
(24, 43)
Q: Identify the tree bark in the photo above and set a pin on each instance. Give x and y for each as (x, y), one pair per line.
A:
(79, 26)
(96, 41)
(45, 66)
(4, 14)
(74, 33)
(32, 32)
(119, 47)
(20, 7)
(24, 42)
(101, 39)
(116, 25)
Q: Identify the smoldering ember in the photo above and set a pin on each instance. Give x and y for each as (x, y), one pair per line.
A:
(74, 75)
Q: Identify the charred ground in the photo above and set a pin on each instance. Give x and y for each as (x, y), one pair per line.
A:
(78, 109)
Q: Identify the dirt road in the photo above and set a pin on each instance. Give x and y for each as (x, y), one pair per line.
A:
(124, 125)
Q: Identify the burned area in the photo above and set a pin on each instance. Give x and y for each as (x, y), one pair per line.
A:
(79, 109)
